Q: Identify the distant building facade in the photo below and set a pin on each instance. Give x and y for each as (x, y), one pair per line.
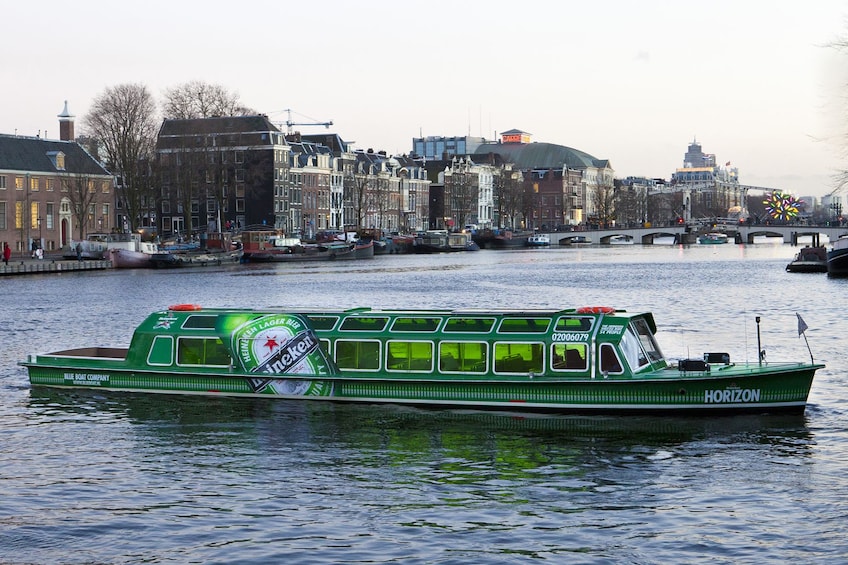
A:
(707, 190)
(51, 191)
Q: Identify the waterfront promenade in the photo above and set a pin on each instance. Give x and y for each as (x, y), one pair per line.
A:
(51, 264)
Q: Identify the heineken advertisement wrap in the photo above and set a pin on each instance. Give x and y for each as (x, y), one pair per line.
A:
(274, 345)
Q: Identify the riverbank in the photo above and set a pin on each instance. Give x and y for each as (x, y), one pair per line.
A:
(51, 264)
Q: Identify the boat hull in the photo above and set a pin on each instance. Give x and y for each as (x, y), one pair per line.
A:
(783, 388)
(837, 262)
(127, 259)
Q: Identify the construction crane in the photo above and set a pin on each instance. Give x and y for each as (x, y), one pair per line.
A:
(290, 123)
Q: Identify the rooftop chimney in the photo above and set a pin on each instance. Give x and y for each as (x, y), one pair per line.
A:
(66, 124)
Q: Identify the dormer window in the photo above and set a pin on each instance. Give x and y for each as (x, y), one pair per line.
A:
(58, 159)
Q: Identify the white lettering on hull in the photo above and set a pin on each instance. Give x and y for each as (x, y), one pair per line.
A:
(731, 395)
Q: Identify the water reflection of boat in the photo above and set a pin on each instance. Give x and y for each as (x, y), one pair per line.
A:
(809, 260)
(349, 420)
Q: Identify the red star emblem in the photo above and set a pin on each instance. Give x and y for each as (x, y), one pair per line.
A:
(271, 343)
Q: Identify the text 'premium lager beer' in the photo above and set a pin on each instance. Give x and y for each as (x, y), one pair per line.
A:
(282, 350)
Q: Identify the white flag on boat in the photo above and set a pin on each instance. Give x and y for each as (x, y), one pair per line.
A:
(802, 325)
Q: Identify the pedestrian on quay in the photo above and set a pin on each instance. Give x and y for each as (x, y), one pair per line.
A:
(79, 251)
(7, 253)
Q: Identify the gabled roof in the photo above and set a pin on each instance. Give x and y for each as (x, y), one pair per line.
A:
(224, 125)
(36, 155)
(538, 156)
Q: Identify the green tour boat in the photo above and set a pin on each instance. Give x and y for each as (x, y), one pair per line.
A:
(578, 360)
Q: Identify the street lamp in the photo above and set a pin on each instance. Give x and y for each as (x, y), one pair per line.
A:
(40, 235)
(837, 210)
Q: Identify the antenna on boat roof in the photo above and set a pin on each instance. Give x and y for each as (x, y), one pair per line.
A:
(761, 354)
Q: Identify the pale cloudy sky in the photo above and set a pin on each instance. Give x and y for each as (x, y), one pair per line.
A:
(630, 81)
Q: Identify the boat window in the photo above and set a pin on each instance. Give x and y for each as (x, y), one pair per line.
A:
(646, 339)
(409, 356)
(356, 324)
(519, 357)
(323, 323)
(524, 325)
(609, 359)
(573, 324)
(325, 347)
(210, 352)
(569, 357)
(472, 325)
(162, 351)
(200, 322)
(416, 324)
(463, 357)
(358, 355)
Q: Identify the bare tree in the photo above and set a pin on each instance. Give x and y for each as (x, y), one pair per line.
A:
(357, 191)
(464, 192)
(123, 118)
(603, 200)
(198, 99)
(82, 192)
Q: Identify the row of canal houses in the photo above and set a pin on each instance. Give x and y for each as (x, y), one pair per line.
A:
(243, 171)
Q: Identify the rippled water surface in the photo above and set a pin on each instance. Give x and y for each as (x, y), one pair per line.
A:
(90, 477)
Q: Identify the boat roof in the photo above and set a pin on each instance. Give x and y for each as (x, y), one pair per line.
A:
(367, 311)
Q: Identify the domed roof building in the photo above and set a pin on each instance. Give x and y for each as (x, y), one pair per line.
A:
(516, 147)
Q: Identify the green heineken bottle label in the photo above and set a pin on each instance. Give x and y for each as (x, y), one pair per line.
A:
(281, 349)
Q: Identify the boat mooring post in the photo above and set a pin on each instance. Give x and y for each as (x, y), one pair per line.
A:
(760, 352)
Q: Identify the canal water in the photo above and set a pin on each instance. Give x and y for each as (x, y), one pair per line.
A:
(122, 478)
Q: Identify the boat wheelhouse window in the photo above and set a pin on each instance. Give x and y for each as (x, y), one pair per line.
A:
(573, 324)
(206, 351)
(609, 359)
(463, 357)
(409, 356)
(356, 324)
(646, 338)
(519, 357)
(569, 357)
(469, 325)
(358, 355)
(161, 351)
(524, 325)
(199, 322)
(415, 324)
(323, 323)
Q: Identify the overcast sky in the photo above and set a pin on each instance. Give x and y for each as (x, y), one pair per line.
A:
(755, 82)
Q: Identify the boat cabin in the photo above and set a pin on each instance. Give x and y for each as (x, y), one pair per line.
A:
(367, 343)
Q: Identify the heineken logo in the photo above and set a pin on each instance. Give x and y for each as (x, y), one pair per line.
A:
(289, 355)
(276, 344)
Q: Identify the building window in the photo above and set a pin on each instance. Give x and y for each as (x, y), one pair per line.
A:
(239, 205)
(239, 157)
(105, 189)
(19, 183)
(2, 215)
(166, 207)
(51, 184)
(239, 175)
(19, 215)
(3, 182)
(48, 216)
(34, 184)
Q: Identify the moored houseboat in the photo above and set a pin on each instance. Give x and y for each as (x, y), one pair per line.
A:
(593, 359)
(268, 246)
